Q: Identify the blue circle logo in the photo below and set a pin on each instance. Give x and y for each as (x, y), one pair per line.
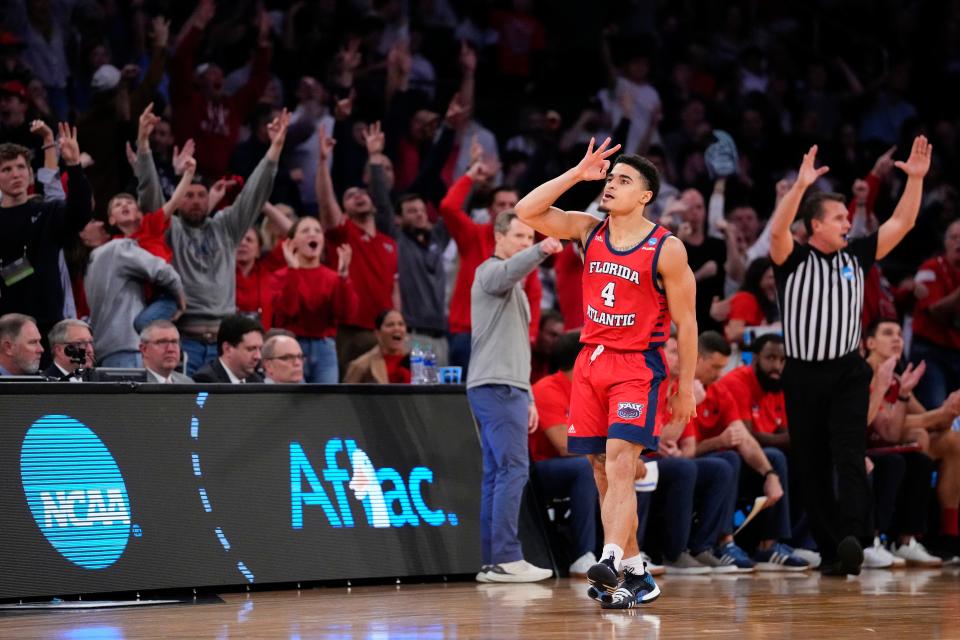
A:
(75, 491)
(847, 272)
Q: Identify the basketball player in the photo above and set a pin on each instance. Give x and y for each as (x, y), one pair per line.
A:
(635, 279)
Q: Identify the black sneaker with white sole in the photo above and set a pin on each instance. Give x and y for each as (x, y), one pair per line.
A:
(635, 590)
(604, 575)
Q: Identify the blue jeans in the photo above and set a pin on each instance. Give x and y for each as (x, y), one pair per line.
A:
(716, 482)
(942, 375)
(162, 308)
(123, 360)
(674, 498)
(732, 460)
(460, 346)
(501, 412)
(198, 354)
(320, 360)
(573, 477)
(774, 521)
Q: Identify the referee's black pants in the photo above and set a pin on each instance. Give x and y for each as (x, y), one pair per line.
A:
(827, 417)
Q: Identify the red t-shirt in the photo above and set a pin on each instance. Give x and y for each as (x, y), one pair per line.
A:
(475, 243)
(373, 270)
(744, 306)
(255, 293)
(396, 372)
(152, 235)
(940, 279)
(878, 298)
(766, 410)
(715, 413)
(552, 397)
(312, 302)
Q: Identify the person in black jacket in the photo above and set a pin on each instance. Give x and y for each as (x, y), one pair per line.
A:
(239, 341)
(35, 231)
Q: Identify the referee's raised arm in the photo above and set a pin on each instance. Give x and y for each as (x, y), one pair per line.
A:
(904, 216)
(781, 240)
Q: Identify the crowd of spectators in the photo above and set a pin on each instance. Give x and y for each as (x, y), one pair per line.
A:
(281, 191)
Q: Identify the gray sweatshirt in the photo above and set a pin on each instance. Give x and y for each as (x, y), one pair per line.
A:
(114, 286)
(205, 256)
(500, 315)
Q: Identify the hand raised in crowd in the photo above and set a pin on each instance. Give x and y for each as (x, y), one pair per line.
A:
(550, 246)
(344, 106)
(217, 192)
(129, 73)
(148, 120)
(468, 58)
(40, 128)
(884, 163)
(809, 173)
(189, 167)
(350, 57)
(374, 138)
(277, 132)
(594, 164)
(161, 32)
(399, 60)
(918, 163)
(911, 376)
(69, 147)
(290, 253)
(476, 150)
(326, 144)
(783, 185)
(180, 156)
(952, 403)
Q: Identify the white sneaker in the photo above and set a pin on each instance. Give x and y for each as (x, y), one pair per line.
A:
(584, 562)
(517, 571)
(686, 565)
(812, 557)
(876, 556)
(915, 553)
(653, 568)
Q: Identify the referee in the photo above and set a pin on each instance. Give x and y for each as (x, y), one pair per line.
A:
(826, 382)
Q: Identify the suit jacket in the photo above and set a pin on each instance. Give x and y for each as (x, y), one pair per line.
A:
(214, 372)
(53, 373)
(178, 378)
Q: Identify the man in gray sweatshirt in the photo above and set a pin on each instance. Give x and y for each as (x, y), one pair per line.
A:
(204, 247)
(114, 286)
(498, 387)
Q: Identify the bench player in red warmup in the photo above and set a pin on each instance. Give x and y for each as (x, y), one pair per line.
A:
(635, 279)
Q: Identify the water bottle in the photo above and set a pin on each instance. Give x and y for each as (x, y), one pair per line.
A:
(429, 366)
(416, 364)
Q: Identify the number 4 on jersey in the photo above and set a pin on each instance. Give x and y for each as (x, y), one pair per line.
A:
(608, 295)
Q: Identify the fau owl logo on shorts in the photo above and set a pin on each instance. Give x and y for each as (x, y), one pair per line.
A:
(630, 410)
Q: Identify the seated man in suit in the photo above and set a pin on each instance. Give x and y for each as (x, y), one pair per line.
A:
(69, 336)
(160, 349)
(282, 360)
(20, 347)
(239, 341)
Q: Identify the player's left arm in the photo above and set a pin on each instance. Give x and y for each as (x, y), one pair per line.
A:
(905, 215)
(681, 289)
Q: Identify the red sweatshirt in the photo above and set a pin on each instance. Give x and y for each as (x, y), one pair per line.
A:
(312, 302)
(152, 235)
(213, 124)
(256, 292)
(475, 243)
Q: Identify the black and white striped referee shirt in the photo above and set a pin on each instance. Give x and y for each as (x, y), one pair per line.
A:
(821, 299)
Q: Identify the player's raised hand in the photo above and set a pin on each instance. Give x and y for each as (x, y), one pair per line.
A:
(918, 163)
(808, 173)
(594, 165)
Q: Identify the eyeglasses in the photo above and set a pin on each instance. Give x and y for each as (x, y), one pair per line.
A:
(167, 342)
(290, 357)
(83, 344)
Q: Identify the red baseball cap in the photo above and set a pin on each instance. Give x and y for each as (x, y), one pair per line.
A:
(14, 87)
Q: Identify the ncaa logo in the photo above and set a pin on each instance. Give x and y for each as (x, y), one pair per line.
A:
(847, 272)
(75, 491)
(652, 242)
(630, 410)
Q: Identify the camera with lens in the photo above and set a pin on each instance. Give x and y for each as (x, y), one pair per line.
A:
(76, 353)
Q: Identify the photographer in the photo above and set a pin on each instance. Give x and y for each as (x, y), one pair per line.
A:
(72, 345)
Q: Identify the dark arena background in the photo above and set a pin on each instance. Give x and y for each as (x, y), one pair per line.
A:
(247, 328)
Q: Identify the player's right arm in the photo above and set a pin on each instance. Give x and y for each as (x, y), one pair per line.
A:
(781, 240)
(537, 210)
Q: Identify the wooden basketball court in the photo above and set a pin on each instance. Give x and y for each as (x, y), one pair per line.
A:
(898, 604)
